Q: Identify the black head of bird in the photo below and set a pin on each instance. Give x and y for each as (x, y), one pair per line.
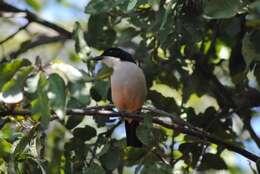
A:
(118, 53)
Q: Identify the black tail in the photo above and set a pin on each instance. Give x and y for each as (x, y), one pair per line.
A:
(131, 138)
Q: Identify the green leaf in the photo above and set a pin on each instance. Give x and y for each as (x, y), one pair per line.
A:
(35, 4)
(56, 141)
(66, 71)
(4, 121)
(104, 150)
(101, 121)
(191, 28)
(258, 166)
(40, 143)
(40, 105)
(126, 35)
(144, 132)
(5, 148)
(254, 38)
(212, 161)
(79, 91)
(81, 47)
(131, 4)
(160, 135)
(56, 94)
(188, 149)
(100, 6)
(73, 103)
(157, 168)
(94, 169)
(248, 50)
(73, 121)
(165, 15)
(257, 73)
(15, 86)
(85, 133)
(103, 73)
(134, 155)
(32, 83)
(102, 88)
(35, 165)
(111, 159)
(165, 103)
(76, 35)
(74, 144)
(3, 166)
(75, 57)
(95, 95)
(143, 22)
(253, 18)
(209, 161)
(100, 34)
(77, 161)
(25, 140)
(220, 9)
(9, 69)
(165, 23)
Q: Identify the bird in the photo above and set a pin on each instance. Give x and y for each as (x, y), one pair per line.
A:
(128, 88)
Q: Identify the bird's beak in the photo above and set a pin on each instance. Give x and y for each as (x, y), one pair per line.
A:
(96, 58)
(107, 60)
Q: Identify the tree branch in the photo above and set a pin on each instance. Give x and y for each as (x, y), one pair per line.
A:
(40, 40)
(174, 126)
(251, 131)
(12, 35)
(31, 17)
(247, 99)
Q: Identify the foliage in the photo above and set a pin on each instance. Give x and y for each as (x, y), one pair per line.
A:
(190, 50)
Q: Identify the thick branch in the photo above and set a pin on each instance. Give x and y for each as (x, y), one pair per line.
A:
(5, 7)
(183, 129)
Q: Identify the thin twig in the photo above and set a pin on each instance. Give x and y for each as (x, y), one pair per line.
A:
(198, 163)
(5, 7)
(12, 35)
(251, 131)
(172, 150)
(107, 133)
(41, 40)
(163, 113)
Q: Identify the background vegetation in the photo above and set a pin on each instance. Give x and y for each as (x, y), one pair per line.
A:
(201, 59)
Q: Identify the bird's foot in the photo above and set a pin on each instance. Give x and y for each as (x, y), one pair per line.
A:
(125, 115)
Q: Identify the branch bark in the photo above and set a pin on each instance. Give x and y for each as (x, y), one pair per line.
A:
(174, 126)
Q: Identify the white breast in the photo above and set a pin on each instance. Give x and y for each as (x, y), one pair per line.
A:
(128, 86)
